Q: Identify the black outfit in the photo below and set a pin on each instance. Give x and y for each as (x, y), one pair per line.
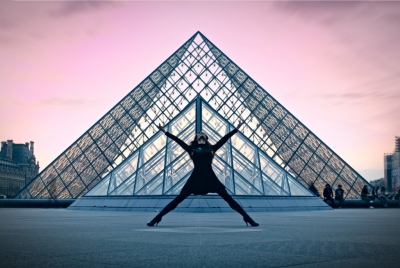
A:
(328, 193)
(203, 179)
(339, 196)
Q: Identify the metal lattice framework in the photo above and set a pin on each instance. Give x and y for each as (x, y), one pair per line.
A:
(162, 167)
(198, 68)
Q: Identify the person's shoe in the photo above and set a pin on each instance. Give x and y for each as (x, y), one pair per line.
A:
(385, 206)
(371, 207)
(371, 201)
(154, 221)
(250, 221)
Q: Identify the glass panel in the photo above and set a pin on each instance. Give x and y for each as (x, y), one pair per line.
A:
(285, 153)
(312, 141)
(154, 187)
(64, 194)
(44, 195)
(93, 152)
(348, 175)
(316, 163)
(177, 170)
(48, 175)
(85, 142)
(88, 175)
(101, 188)
(61, 163)
(248, 171)
(100, 164)
(296, 189)
(243, 187)
(174, 150)
(304, 152)
(149, 170)
(214, 121)
(55, 187)
(80, 163)
(178, 186)
(125, 170)
(73, 152)
(293, 142)
(353, 195)
(224, 173)
(183, 121)
(245, 148)
(359, 185)
(76, 187)
(126, 188)
(271, 188)
(36, 187)
(155, 145)
(336, 163)
(273, 172)
(328, 175)
(68, 175)
(296, 164)
(308, 175)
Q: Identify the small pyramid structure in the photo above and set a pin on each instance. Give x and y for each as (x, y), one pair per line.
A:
(125, 142)
(162, 167)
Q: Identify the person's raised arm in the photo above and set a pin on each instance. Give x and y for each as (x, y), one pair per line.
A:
(176, 139)
(225, 138)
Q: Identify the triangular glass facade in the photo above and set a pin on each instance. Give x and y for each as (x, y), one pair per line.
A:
(161, 167)
(198, 68)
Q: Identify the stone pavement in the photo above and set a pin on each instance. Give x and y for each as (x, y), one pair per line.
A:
(71, 238)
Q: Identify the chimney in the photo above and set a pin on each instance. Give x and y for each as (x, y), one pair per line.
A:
(9, 149)
(31, 148)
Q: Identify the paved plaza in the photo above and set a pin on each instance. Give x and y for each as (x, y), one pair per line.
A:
(71, 238)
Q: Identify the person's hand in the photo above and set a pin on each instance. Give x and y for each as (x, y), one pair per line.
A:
(161, 128)
(239, 125)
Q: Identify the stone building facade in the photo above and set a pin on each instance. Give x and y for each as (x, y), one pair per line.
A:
(392, 168)
(18, 166)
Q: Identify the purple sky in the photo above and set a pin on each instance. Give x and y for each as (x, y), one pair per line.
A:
(334, 65)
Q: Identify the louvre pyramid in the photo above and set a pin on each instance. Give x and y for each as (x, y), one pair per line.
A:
(198, 68)
(162, 167)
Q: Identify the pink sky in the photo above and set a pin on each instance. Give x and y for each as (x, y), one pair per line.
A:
(334, 65)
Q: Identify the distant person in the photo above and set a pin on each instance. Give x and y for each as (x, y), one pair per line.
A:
(364, 194)
(383, 190)
(314, 190)
(339, 194)
(382, 197)
(328, 194)
(396, 197)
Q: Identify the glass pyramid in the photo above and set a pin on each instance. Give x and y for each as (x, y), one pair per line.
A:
(162, 167)
(198, 68)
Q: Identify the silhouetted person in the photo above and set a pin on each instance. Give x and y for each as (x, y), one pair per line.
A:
(339, 195)
(203, 179)
(382, 197)
(364, 194)
(328, 194)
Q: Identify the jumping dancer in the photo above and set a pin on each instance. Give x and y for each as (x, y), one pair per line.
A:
(203, 179)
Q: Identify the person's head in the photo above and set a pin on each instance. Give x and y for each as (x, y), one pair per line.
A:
(377, 187)
(327, 185)
(200, 138)
(339, 186)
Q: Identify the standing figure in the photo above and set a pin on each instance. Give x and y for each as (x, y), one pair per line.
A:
(203, 179)
(328, 194)
(339, 194)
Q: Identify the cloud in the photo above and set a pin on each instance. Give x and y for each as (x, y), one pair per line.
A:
(76, 7)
